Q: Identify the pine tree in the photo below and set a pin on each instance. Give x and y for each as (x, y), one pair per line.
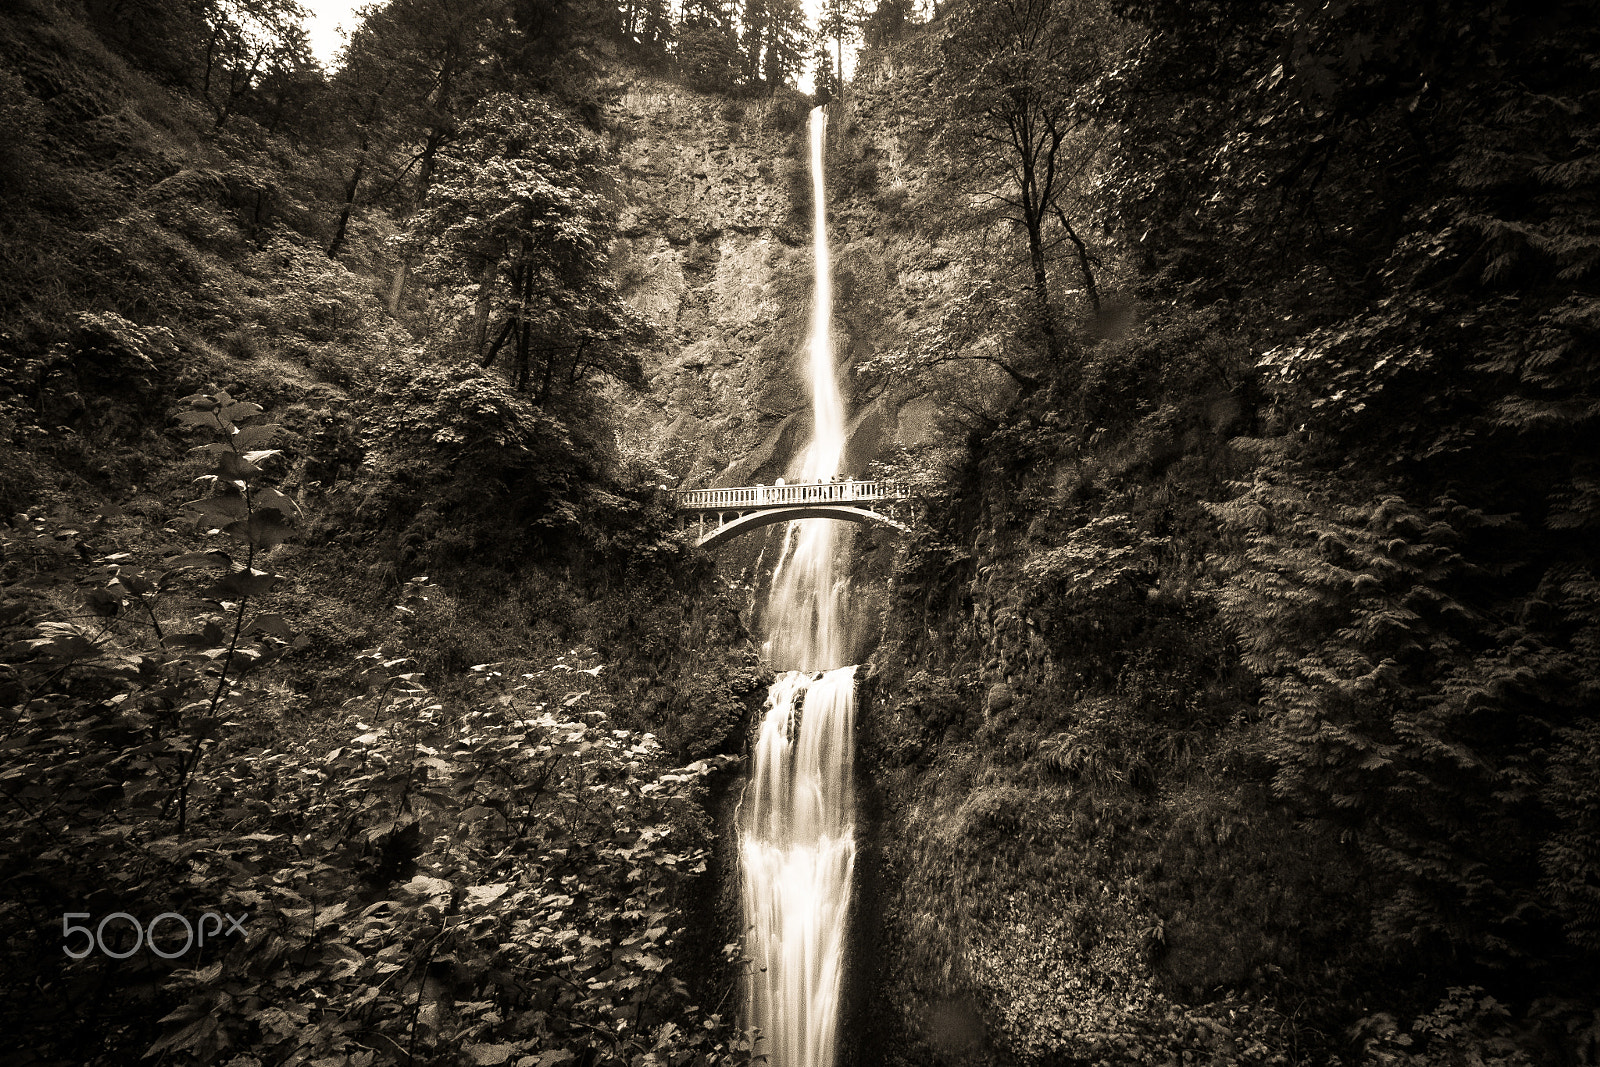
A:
(840, 21)
(708, 45)
(783, 49)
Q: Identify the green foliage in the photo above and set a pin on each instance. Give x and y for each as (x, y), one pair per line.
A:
(885, 25)
(990, 326)
(707, 704)
(839, 22)
(1106, 557)
(180, 692)
(496, 885)
(492, 877)
(123, 690)
(517, 224)
(411, 72)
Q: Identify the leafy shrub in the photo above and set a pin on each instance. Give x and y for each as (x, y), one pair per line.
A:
(494, 886)
(493, 880)
(460, 442)
(894, 202)
(241, 344)
(787, 111)
(1467, 1027)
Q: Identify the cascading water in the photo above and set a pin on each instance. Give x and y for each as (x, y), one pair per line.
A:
(797, 822)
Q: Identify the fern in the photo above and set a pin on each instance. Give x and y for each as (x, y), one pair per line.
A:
(1391, 700)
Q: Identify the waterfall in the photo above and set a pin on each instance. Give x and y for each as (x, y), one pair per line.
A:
(797, 820)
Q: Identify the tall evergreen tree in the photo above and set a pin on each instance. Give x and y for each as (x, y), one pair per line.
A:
(783, 49)
(754, 29)
(825, 79)
(708, 45)
(890, 21)
(840, 21)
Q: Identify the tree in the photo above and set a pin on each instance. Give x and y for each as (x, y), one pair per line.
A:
(648, 24)
(826, 83)
(1017, 76)
(517, 226)
(708, 47)
(412, 69)
(890, 21)
(288, 87)
(840, 21)
(249, 40)
(783, 52)
(772, 43)
(362, 98)
(554, 47)
(981, 328)
(753, 22)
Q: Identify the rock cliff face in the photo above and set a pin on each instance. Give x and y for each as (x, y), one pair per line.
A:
(707, 251)
(715, 248)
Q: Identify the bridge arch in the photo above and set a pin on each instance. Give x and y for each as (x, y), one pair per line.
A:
(755, 519)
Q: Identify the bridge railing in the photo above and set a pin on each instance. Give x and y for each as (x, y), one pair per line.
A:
(751, 497)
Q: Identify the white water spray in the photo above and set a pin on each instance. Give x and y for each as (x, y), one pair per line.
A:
(797, 822)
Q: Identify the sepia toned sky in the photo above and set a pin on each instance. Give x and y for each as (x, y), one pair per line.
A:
(323, 25)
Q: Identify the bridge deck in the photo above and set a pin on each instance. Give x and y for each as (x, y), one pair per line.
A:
(810, 494)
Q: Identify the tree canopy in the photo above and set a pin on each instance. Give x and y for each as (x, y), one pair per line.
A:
(517, 225)
(1019, 79)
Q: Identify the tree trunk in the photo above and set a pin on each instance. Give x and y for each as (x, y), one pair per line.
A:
(430, 151)
(397, 288)
(524, 356)
(549, 375)
(480, 328)
(494, 350)
(1083, 259)
(350, 188)
(1032, 217)
(525, 332)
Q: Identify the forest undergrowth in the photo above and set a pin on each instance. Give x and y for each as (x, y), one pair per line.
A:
(407, 876)
(1246, 659)
(365, 715)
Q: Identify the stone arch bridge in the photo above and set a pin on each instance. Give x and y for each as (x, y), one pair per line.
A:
(727, 513)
